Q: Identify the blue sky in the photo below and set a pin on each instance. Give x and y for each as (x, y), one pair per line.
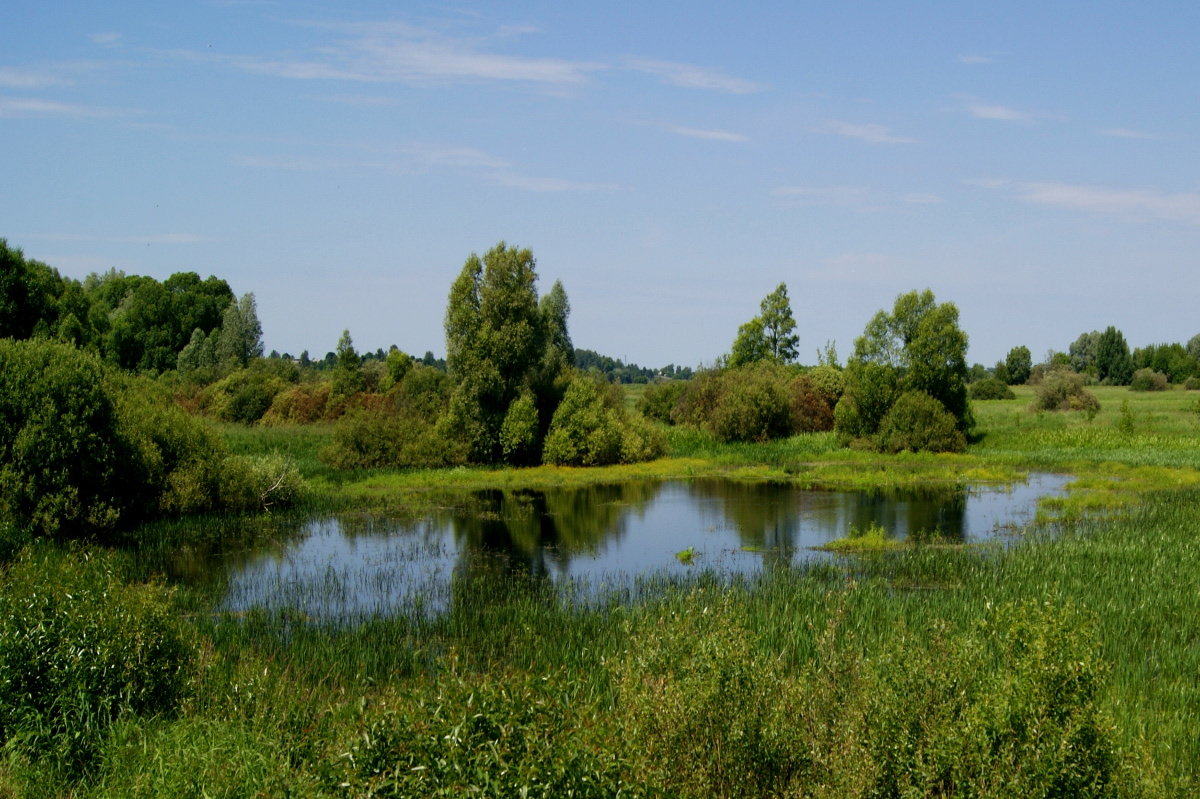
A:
(1035, 163)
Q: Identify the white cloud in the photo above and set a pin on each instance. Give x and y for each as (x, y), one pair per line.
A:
(998, 112)
(713, 135)
(871, 133)
(691, 76)
(1132, 203)
(22, 107)
(23, 78)
(536, 184)
(395, 52)
(1125, 133)
(107, 39)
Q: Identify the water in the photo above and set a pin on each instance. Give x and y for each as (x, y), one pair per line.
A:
(596, 537)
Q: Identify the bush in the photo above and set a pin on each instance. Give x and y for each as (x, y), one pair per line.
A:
(811, 409)
(243, 396)
(659, 400)
(589, 428)
(919, 423)
(1192, 383)
(990, 388)
(306, 403)
(753, 404)
(1148, 380)
(80, 649)
(829, 381)
(871, 389)
(1062, 390)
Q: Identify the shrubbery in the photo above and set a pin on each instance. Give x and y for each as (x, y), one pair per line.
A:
(1148, 380)
(1192, 384)
(84, 452)
(990, 388)
(590, 428)
(1063, 390)
(917, 422)
(79, 649)
(659, 400)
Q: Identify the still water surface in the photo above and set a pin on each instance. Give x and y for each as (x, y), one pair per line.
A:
(599, 536)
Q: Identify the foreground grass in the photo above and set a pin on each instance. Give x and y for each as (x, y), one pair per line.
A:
(880, 675)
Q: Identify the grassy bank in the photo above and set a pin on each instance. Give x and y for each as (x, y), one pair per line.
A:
(1065, 665)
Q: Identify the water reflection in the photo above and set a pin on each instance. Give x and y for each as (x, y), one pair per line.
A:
(599, 535)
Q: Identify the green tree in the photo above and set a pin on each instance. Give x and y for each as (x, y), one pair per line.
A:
(500, 345)
(1083, 352)
(768, 336)
(347, 371)
(921, 345)
(779, 327)
(750, 346)
(241, 333)
(1114, 364)
(1019, 364)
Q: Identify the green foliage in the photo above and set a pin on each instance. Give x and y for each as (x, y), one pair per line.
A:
(404, 430)
(922, 346)
(500, 344)
(1192, 384)
(811, 407)
(1173, 360)
(917, 422)
(523, 737)
(990, 388)
(590, 428)
(63, 458)
(1148, 380)
(1063, 390)
(1019, 362)
(80, 649)
(829, 380)
(243, 396)
(347, 373)
(1114, 364)
(519, 431)
(659, 399)
(240, 336)
(750, 346)
(1083, 352)
(768, 336)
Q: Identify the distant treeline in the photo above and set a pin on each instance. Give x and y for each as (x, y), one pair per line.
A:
(617, 371)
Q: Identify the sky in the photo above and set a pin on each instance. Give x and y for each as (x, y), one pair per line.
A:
(1035, 163)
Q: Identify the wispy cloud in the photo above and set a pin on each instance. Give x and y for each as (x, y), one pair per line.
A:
(419, 158)
(24, 107)
(107, 39)
(27, 78)
(1132, 203)
(869, 132)
(712, 135)
(395, 52)
(691, 76)
(1126, 133)
(1004, 113)
(858, 198)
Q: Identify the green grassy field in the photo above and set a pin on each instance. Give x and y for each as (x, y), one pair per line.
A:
(1063, 666)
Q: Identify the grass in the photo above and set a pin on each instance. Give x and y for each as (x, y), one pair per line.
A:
(705, 673)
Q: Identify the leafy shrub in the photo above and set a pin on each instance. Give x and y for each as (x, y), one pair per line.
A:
(870, 391)
(919, 423)
(520, 738)
(829, 381)
(1062, 390)
(243, 396)
(753, 405)
(83, 451)
(590, 428)
(1192, 383)
(1148, 380)
(659, 400)
(306, 403)
(260, 482)
(1008, 708)
(811, 409)
(990, 388)
(62, 455)
(402, 430)
(700, 395)
(79, 649)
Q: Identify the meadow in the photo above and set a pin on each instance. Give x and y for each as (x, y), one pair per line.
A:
(1063, 666)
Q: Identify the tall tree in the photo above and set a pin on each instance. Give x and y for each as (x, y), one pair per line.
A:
(1019, 365)
(241, 333)
(498, 344)
(921, 343)
(750, 346)
(779, 327)
(1114, 364)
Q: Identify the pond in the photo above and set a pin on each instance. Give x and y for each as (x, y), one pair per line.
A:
(341, 568)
